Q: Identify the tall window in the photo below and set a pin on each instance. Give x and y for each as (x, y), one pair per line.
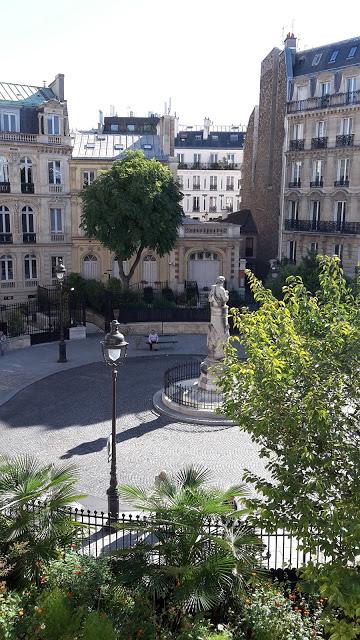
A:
(4, 170)
(197, 158)
(340, 214)
(4, 220)
(351, 89)
(317, 171)
(27, 222)
(196, 203)
(298, 131)
(325, 89)
(230, 183)
(320, 129)
(314, 247)
(9, 121)
(56, 221)
(26, 170)
(293, 210)
(315, 214)
(53, 123)
(30, 267)
(6, 268)
(196, 182)
(343, 169)
(180, 158)
(292, 251)
(296, 172)
(229, 203)
(88, 178)
(54, 168)
(54, 263)
(230, 158)
(213, 158)
(213, 183)
(180, 180)
(339, 250)
(212, 204)
(345, 126)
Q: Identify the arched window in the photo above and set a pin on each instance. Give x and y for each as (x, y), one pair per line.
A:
(26, 170)
(5, 235)
(6, 268)
(27, 221)
(30, 264)
(4, 170)
(90, 267)
(149, 269)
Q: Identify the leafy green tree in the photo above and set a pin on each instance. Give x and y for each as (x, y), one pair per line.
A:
(298, 395)
(30, 533)
(200, 565)
(308, 269)
(133, 206)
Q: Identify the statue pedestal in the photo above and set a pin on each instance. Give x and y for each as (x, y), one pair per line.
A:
(209, 371)
(218, 334)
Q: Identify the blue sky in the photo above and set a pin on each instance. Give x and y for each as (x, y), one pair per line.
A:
(134, 54)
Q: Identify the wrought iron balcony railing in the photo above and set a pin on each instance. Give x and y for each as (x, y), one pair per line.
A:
(196, 187)
(6, 238)
(4, 187)
(322, 226)
(319, 143)
(216, 166)
(318, 182)
(27, 187)
(29, 238)
(343, 182)
(324, 102)
(346, 140)
(229, 187)
(213, 187)
(297, 145)
(294, 183)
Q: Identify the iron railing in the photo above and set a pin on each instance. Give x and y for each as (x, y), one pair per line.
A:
(27, 187)
(345, 140)
(6, 238)
(323, 226)
(100, 534)
(296, 145)
(316, 183)
(4, 187)
(343, 182)
(186, 395)
(130, 313)
(324, 102)
(319, 143)
(294, 184)
(216, 166)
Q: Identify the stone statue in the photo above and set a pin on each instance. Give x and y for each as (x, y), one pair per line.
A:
(218, 333)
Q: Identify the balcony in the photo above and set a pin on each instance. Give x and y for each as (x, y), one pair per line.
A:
(319, 143)
(13, 136)
(29, 238)
(57, 237)
(6, 238)
(216, 166)
(343, 182)
(31, 283)
(324, 102)
(297, 145)
(295, 184)
(213, 187)
(4, 187)
(196, 209)
(55, 188)
(7, 284)
(27, 187)
(318, 182)
(55, 139)
(229, 187)
(322, 226)
(212, 209)
(345, 140)
(196, 187)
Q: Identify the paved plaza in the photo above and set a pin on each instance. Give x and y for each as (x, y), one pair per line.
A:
(63, 413)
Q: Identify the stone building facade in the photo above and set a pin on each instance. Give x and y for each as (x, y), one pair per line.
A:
(321, 170)
(35, 214)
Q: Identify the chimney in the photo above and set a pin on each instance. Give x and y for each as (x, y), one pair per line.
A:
(207, 123)
(57, 86)
(101, 122)
(290, 41)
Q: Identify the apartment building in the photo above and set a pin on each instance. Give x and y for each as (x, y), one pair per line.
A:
(209, 170)
(35, 216)
(320, 196)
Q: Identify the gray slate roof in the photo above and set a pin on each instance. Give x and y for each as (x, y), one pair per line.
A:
(303, 63)
(107, 146)
(215, 140)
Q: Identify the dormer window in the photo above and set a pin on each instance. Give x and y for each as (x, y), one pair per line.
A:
(333, 56)
(8, 121)
(90, 145)
(198, 136)
(53, 123)
(352, 53)
(316, 59)
(147, 146)
(114, 127)
(234, 137)
(119, 147)
(130, 127)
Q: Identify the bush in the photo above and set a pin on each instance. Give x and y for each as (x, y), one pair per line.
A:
(181, 299)
(168, 294)
(148, 295)
(55, 618)
(15, 324)
(98, 627)
(95, 295)
(235, 299)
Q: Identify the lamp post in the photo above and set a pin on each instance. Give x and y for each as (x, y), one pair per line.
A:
(60, 274)
(114, 348)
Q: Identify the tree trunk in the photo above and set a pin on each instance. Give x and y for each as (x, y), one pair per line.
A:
(125, 279)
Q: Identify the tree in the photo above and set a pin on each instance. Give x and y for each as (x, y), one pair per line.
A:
(133, 206)
(308, 270)
(298, 395)
(199, 563)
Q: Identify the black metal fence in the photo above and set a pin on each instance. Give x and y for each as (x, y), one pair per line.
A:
(185, 394)
(98, 536)
(171, 314)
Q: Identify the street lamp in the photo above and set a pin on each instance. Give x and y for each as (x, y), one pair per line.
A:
(114, 349)
(60, 274)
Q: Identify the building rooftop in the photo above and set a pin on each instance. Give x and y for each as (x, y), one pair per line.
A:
(106, 146)
(24, 94)
(243, 218)
(214, 140)
(336, 55)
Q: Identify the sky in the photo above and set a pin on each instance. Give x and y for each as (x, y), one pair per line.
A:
(136, 54)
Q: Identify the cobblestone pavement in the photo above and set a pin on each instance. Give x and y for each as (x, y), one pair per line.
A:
(67, 416)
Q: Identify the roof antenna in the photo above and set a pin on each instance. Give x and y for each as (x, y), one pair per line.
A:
(44, 84)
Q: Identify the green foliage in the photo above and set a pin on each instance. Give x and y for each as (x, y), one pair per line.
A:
(339, 587)
(136, 204)
(148, 294)
(56, 618)
(98, 626)
(15, 324)
(308, 270)
(29, 535)
(95, 295)
(200, 566)
(86, 578)
(298, 396)
(235, 299)
(268, 615)
(168, 294)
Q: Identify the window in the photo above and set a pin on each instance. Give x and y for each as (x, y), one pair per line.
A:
(56, 221)
(234, 137)
(196, 182)
(4, 220)
(212, 204)
(339, 250)
(26, 170)
(302, 92)
(296, 173)
(213, 183)
(249, 247)
(30, 267)
(4, 170)
(114, 127)
(88, 178)
(197, 158)
(320, 129)
(293, 210)
(352, 52)
(345, 126)
(148, 128)
(90, 145)
(298, 131)
(316, 59)
(214, 137)
(180, 158)
(351, 89)
(119, 147)
(53, 123)
(213, 158)
(315, 214)
(343, 169)
(340, 214)
(314, 247)
(198, 136)
(27, 220)
(325, 89)
(54, 172)
(6, 268)
(229, 203)
(230, 158)
(333, 56)
(9, 122)
(317, 171)
(54, 263)
(196, 203)
(180, 180)
(130, 127)
(230, 183)
(147, 146)
(292, 251)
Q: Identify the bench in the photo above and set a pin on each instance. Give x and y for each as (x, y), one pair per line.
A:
(156, 344)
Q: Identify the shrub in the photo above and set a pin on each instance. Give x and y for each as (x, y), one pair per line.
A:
(15, 324)
(95, 295)
(235, 299)
(148, 294)
(98, 627)
(168, 294)
(55, 618)
(181, 299)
